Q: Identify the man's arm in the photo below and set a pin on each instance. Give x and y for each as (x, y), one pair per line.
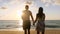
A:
(35, 20)
(32, 17)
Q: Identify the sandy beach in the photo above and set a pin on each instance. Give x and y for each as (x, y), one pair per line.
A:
(51, 31)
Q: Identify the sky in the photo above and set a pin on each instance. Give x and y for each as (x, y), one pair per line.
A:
(12, 9)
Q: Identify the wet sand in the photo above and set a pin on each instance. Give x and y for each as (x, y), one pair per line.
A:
(52, 31)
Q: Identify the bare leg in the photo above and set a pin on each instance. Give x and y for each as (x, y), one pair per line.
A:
(28, 31)
(25, 31)
(43, 32)
(38, 32)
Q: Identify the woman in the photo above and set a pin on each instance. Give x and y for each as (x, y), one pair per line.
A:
(40, 18)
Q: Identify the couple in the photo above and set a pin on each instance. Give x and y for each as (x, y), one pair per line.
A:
(40, 17)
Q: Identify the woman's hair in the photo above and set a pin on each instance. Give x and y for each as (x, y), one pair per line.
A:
(40, 12)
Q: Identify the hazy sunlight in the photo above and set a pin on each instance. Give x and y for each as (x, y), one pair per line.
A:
(19, 14)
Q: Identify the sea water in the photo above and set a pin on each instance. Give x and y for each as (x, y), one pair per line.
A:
(10, 24)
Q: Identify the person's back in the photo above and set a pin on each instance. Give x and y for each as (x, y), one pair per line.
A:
(40, 18)
(26, 14)
(26, 19)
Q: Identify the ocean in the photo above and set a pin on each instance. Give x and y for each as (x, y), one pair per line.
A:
(9, 24)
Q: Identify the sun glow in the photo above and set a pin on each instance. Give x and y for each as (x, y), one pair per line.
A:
(19, 14)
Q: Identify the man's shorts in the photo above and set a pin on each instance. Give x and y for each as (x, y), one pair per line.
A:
(26, 25)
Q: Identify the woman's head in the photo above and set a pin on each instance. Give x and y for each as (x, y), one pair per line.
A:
(40, 10)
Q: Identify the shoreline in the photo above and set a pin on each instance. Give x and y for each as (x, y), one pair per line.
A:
(21, 29)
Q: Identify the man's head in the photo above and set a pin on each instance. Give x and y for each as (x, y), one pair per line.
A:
(26, 7)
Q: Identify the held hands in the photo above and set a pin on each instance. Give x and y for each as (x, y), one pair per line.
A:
(34, 23)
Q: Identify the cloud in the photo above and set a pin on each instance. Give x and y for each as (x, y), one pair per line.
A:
(50, 2)
(57, 2)
(46, 5)
(3, 8)
(5, 4)
(29, 2)
(46, 1)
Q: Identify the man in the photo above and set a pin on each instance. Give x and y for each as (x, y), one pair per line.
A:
(26, 19)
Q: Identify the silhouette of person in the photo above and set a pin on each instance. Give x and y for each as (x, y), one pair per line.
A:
(26, 19)
(40, 18)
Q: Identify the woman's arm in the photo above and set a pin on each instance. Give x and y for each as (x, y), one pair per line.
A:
(43, 17)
